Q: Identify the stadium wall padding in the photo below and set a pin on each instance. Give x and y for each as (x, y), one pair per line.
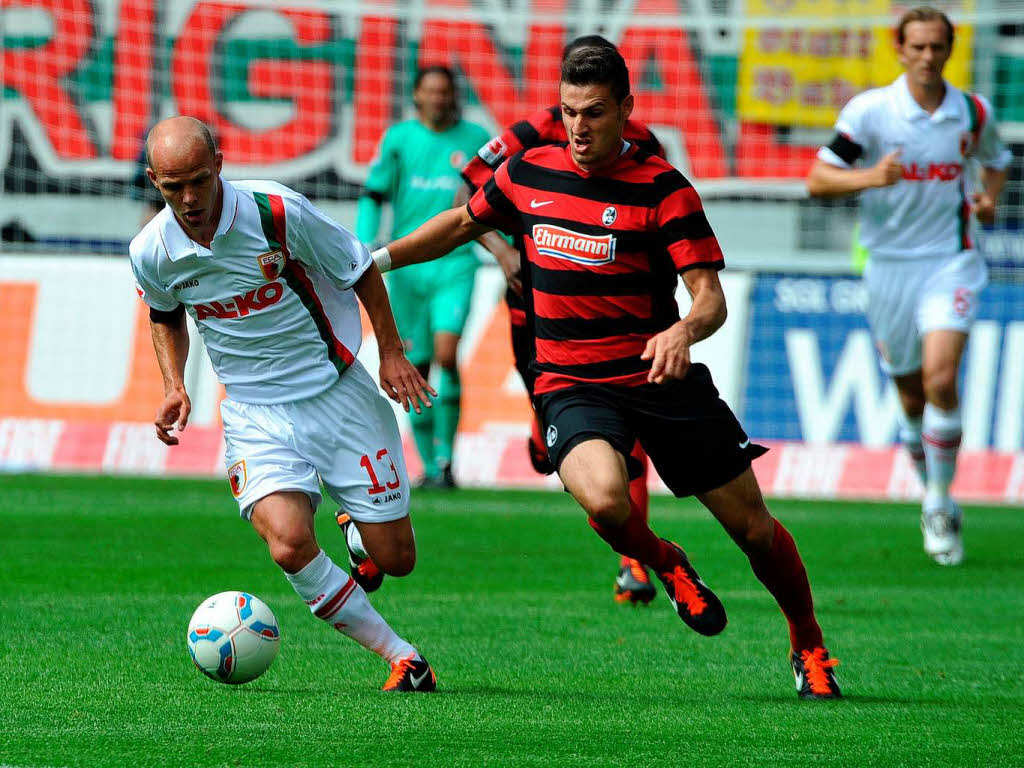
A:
(80, 385)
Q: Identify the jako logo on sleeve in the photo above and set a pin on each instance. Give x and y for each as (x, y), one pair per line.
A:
(240, 306)
(565, 244)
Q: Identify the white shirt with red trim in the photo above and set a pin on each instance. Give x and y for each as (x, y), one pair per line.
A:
(271, 296)
(925, 214)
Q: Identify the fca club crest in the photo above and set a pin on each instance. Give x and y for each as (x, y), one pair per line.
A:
(271, 264)
(237, 477)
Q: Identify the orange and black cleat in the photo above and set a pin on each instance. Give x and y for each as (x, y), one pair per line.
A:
(692, 599)
(633, 584)
(814, 677)
(364, 571)
(412, 675)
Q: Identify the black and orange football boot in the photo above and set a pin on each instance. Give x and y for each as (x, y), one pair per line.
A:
(633, 583)
(692, 599)
(364, 571)
(411, 675)
(814, 676)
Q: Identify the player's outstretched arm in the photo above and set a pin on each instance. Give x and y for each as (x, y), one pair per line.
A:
(670, 349)
(827, 180)
(506, 256)
(431, 240)
(398, 377)
(170, 341)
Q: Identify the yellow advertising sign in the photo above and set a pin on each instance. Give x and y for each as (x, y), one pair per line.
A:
(804, 75)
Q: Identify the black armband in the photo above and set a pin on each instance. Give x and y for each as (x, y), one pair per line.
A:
(846, 148)
(172, 317)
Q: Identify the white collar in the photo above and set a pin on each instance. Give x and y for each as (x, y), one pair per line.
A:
(948, 109)
(181, 246)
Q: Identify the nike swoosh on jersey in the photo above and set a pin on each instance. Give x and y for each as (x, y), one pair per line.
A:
(745, 443)
(538, 204)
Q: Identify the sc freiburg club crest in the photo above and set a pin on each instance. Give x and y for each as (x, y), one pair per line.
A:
(271, 264)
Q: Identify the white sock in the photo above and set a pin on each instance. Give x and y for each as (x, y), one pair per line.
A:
(941, 438)
(910, 436)
(355, 541)
(334, 597)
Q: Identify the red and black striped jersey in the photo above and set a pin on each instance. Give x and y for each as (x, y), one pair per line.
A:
(604, 249)
(542, 128)
(538, 130)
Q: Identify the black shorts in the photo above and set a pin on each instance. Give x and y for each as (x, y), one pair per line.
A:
(694, 440)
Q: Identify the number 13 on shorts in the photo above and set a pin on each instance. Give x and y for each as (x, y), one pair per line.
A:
(381, 472)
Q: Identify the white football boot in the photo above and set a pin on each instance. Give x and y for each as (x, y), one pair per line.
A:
(941, 522)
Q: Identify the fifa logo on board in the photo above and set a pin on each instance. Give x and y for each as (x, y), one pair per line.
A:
(565, 244)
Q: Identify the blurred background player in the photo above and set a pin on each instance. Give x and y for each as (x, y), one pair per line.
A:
(632, 580)
(416, 170)
(271, 284)
(919, 141)
(608, 229)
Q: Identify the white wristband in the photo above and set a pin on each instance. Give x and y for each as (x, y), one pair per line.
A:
(382, 258)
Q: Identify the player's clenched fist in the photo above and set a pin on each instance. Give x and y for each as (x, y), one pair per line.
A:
(889, 169)
(173, 413)
(403, 383)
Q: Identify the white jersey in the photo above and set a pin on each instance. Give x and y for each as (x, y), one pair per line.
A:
(927, 213)
(271, 296)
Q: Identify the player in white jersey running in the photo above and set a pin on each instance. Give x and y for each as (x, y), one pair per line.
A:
(932, 161)
(271, 284)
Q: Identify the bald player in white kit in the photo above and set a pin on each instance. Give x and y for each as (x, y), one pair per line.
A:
(932, 162)
(271, 284)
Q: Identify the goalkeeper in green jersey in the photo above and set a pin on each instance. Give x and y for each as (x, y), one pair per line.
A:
(417, 171)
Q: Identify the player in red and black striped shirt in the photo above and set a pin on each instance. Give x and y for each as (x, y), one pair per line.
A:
(542, 128)
(607, 227)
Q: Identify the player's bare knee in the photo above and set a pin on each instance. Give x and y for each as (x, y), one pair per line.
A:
(607, 508)
(292, 554)
(940, 387)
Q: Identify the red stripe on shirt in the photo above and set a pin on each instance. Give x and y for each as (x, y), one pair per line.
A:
(586, 351)
(552, 382)
(590, 307)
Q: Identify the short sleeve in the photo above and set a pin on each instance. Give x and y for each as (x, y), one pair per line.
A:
(318, 241)
(383, 174)
(991, 153)
(492, 205)
(684, 227)
(852, 137)
(149, 289)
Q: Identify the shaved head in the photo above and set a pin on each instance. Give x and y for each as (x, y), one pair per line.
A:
(185, 166)
(179, 136)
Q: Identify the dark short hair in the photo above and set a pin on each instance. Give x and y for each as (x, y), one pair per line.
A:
(586, 41)
(434, 69)
(596, 65)
(923, 13)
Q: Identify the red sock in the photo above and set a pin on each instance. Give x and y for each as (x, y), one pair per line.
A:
(635, 539)
(782, 572)
(638, 487)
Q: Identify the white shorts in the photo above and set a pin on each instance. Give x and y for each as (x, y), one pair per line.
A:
(346, 436)
(907, 299)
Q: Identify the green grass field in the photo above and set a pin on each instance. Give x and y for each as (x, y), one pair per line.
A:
(511, 602)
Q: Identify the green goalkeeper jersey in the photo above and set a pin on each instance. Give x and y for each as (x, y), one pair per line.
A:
(417, 171)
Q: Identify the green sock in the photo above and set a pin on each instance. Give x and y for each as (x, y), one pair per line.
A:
(446, 418)
(423, 433)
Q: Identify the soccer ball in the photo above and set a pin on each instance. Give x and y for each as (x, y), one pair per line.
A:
(233, 637)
